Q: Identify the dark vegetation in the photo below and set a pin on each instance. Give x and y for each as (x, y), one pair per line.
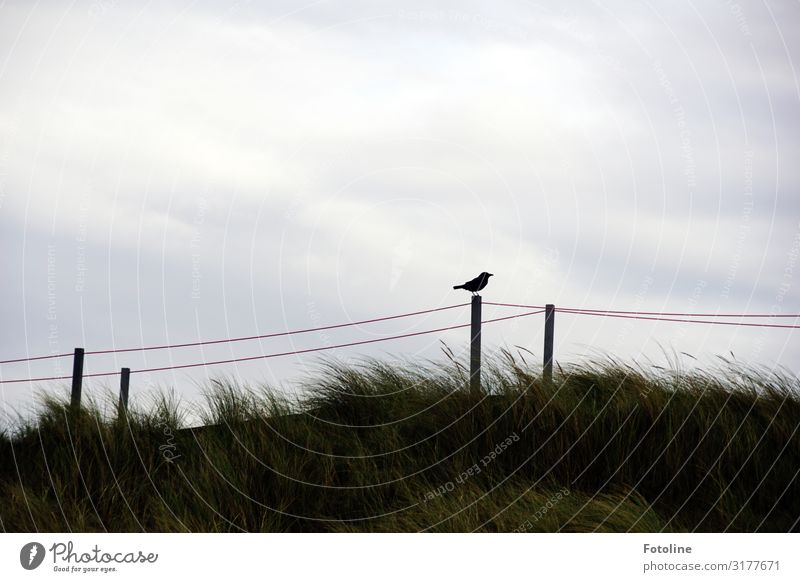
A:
(390, 448)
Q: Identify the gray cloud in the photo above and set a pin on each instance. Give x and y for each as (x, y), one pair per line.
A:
(200, 171)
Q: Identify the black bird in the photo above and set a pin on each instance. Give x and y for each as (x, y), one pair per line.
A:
(476, 284)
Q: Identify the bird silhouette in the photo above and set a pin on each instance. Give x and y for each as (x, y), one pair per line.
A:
(476, 284)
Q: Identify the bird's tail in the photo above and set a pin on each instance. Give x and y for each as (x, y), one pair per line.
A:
(458, 287)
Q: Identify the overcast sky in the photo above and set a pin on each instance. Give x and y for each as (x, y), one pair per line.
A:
(199, 170)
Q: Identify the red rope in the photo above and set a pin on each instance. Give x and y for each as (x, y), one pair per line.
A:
(50, 357)
(271, 335)
(325, 348)
(664, 313)
(643, 315)
(609, 311)
(276, 355)
(514, 305)
(608, 314)
(58, 378)
(239, 339)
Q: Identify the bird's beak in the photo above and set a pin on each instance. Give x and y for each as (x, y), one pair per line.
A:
(491, 275)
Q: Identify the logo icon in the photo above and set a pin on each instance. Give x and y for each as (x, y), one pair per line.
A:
(31, 555)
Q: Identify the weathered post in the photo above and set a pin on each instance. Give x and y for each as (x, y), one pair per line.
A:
(549, 327)
(124, 384)
(77, 378)
(475, 346)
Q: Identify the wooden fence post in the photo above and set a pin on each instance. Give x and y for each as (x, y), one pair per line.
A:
(77, 378)
(475, 346)
(549, 328)
(124, 384)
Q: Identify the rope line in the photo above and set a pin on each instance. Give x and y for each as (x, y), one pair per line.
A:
(710, 322)
(325, 348)
(514, 305)
(276, 334)
(48, 357)
(641, 315)
(668, 314)
(239, 339)
(664, 313)
(278, 354)
(96, 375)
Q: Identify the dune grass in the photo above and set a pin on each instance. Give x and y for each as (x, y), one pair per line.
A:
(399, 448)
